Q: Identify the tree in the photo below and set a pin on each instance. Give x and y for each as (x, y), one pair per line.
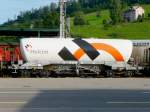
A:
(51, 20)
(73, 6)
(116, 9)
(53, 7)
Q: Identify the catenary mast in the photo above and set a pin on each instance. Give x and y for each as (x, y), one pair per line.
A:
(62, 18)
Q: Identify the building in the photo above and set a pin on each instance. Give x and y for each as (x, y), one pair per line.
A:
(133, 13)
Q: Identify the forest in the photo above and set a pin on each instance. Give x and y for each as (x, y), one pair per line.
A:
(48, 16)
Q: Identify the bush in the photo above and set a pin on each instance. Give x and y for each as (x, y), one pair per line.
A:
(114, 35)
(140, 18)
(104, 21)
(79, 19)
(98, 14)
(148, 14)
(106, 24)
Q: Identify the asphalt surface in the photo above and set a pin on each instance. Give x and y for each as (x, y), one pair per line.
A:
(29, 98)
(74, 101)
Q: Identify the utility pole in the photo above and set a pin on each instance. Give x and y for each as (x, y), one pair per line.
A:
(62, 18)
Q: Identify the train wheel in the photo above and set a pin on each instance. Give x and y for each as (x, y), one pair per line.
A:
(110, 73)
(129, 74)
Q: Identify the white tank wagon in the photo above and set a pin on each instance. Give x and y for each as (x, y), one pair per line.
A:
(88, 54)
(53, 50)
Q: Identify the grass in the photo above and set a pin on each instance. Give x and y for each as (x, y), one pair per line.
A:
(147, 9)
(124, 30)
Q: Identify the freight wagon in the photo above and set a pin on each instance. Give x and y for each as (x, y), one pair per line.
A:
(86, 57)
(9, 55)
(141, 55)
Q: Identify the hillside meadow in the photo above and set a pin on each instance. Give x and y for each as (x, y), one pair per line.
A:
(96, 29)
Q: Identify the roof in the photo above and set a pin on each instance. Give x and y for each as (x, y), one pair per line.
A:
(9, 43)
(132, 9)
(28, 32)
(136, 7)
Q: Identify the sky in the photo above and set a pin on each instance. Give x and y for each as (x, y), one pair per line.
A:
(9, 9)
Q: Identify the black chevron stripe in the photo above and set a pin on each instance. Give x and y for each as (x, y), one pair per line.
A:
(88, 48)
(66, 55)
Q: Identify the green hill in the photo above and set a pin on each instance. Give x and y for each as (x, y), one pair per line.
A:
(48, 18)
(137, 30)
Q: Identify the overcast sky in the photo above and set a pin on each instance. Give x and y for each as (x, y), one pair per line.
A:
(11, 8)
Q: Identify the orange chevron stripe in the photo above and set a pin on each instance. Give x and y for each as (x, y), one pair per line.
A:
(101, 46)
